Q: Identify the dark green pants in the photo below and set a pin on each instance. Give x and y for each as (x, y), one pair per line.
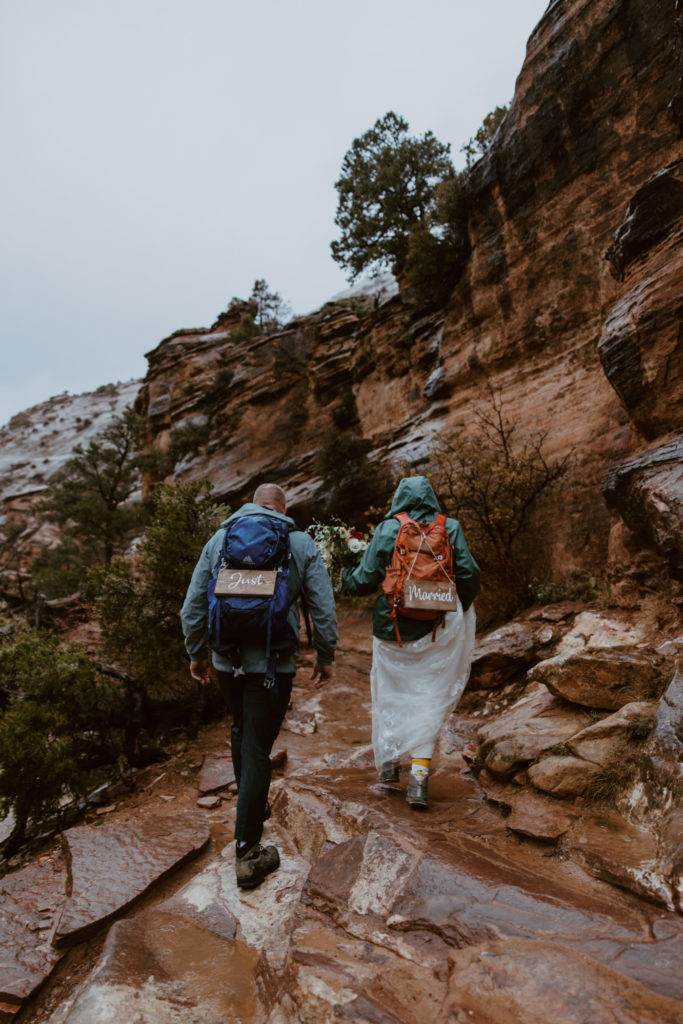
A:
(257, 714)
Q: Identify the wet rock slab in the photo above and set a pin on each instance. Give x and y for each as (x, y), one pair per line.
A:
(112, 865)
(31, 900)
(624, 854)
(204, 956)
(529, 981)
(159, 968)
(217, 773)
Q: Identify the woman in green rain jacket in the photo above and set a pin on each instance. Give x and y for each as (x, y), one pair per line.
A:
(414, 686)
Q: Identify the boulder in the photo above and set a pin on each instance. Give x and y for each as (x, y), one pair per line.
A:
(603, 679)
(530, 814)
(562, 776)
(533, 725)
(599, 742)
(505, 654)
(594, 631)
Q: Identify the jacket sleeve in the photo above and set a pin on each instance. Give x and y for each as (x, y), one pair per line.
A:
(195, 610)
(371, 570)
(320, 601)
(465, 568)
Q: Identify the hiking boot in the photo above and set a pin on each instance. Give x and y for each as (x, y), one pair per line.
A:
(417, 791)
(253, 867)
(388, 772)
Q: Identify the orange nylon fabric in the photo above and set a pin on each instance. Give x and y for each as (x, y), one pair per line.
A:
(422, 551)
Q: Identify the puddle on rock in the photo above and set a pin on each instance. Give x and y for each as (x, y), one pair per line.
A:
(213, 971)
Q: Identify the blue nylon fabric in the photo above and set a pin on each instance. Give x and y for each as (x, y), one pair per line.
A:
(256, 542)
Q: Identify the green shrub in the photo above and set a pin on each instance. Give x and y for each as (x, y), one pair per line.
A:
(56, 707)
(612, 780)
(351, 483)
(188, 440)
(246, 330)
(59, 571)
(574, 586)
(138, 605)
(491, 479)
(219, 388)
(640, 728)
(480, 143)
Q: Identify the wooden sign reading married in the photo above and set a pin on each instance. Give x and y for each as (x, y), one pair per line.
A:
(430, 596)
(245, 583)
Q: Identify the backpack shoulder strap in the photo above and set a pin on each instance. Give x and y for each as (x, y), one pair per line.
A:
(302, 595)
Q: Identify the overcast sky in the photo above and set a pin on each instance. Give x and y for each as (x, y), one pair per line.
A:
(160, 155)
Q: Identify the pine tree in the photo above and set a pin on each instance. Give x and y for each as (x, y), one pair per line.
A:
(385, 188)
(90, 495)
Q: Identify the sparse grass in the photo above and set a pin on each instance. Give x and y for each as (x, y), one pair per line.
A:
(561, 750)
(612, 780)
(640, 728)
(575, 586)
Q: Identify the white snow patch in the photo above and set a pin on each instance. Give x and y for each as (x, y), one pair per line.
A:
(382, 287)
(36, 443)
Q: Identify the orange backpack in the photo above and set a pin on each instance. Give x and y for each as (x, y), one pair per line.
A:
(422, 566)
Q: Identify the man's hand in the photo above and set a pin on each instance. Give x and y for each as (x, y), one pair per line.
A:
(201, 671)
(321, 675)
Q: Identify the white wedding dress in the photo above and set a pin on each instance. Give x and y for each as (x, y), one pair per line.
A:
(415, 686)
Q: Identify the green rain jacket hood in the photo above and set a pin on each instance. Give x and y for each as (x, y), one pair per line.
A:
(415, 496)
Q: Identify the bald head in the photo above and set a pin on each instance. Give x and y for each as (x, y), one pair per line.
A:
(271, 496)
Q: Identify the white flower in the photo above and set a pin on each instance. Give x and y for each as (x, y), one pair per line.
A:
(356, 545)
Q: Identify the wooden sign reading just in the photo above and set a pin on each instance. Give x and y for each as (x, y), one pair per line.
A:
(425, 595)
(246, 583)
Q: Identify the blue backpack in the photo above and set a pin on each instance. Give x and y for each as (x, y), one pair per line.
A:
(253, 582)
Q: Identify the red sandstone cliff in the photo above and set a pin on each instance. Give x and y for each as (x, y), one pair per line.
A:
(569, 305)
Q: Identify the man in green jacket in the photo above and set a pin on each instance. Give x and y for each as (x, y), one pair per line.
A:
(256, 717)
(414, 686)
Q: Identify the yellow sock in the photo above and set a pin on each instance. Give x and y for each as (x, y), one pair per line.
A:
(420, 767)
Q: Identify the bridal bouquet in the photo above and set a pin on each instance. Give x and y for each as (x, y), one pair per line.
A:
(340, 547)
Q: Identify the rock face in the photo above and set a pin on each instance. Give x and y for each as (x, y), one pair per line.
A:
(573, 227)
(647, 491)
